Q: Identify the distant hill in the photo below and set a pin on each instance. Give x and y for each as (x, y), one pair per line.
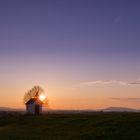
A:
(119, 109)
(109, 109)
(10, 109)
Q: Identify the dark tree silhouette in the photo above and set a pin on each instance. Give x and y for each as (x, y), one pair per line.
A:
(33, 93)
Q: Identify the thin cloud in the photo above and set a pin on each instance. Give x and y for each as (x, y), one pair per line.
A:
(109, 82)
(134, 83)
(137, 82)
(95, 82)
(102, 82)
(127, 99)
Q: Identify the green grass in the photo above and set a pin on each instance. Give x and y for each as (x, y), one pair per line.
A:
(93, 126)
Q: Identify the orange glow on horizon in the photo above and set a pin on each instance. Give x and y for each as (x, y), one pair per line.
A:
(80, 98)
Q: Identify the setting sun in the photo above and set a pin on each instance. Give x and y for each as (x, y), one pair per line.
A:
(42, 97)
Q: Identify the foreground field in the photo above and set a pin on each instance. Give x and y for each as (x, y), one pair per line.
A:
(90, 126)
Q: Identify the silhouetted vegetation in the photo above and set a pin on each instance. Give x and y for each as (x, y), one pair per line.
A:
(86, 126)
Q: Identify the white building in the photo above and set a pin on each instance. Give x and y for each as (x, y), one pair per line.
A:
(34, 106)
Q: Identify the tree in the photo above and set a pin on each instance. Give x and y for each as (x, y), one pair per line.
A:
(33, 93)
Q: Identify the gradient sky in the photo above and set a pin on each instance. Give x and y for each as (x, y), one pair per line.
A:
(84, 53)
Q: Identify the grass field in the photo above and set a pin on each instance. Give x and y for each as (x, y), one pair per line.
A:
(90, 126)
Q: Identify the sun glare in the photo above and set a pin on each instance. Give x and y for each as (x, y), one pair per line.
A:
(42, 97)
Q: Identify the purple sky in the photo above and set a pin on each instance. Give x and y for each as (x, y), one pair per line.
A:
(68, 42)
(89, 26)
